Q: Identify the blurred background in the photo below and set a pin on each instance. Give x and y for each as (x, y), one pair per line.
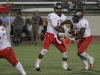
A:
(91, 10)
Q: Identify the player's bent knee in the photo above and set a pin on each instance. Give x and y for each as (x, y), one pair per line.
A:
(44, 51)
(14, 62)
(65, 55)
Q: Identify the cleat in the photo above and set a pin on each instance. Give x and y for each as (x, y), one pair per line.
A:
(64, 67)
(89, 69)
(69, 69)
(38, 69)
(91, 62)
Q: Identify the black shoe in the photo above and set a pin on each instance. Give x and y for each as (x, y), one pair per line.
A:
(89, 69)
(38, 69)
(69, 69)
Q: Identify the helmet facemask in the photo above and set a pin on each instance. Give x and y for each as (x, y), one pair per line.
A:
(76, 19)
(77, 16)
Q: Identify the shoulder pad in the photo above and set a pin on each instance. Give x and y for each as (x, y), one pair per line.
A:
(84, 23)
(51, 16)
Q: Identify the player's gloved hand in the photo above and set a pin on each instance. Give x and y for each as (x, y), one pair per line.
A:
(71, 39)
(61, 35)
(66, 29)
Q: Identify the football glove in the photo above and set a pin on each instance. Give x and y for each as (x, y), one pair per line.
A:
(71, 39)
(66, 29)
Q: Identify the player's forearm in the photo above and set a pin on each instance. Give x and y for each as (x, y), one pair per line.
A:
(59, 29)
(82, 31)
(78, 37)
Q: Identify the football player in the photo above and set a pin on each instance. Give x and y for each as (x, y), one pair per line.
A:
(82, 25)
(51, 37)
(7, 52)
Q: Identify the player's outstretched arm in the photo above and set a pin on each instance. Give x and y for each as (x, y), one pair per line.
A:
(66, 22)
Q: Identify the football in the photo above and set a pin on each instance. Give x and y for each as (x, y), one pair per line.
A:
(74, 32)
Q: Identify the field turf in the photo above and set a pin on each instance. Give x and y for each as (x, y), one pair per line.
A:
(52, 61)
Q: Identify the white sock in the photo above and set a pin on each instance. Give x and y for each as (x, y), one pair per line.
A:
(64, 62)
(64, 65)
(37, 62)
(84, 61)
(19, 67)
(84, 54)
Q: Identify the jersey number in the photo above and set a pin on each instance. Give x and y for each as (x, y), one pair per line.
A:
(59, 22)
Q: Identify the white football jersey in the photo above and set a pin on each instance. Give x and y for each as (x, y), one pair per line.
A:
(83, 23)
(4, 43)
(53, 21)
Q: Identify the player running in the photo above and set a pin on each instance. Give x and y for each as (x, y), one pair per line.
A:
(84, 37)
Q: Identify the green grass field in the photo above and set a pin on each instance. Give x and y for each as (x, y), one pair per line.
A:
(52, 61)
